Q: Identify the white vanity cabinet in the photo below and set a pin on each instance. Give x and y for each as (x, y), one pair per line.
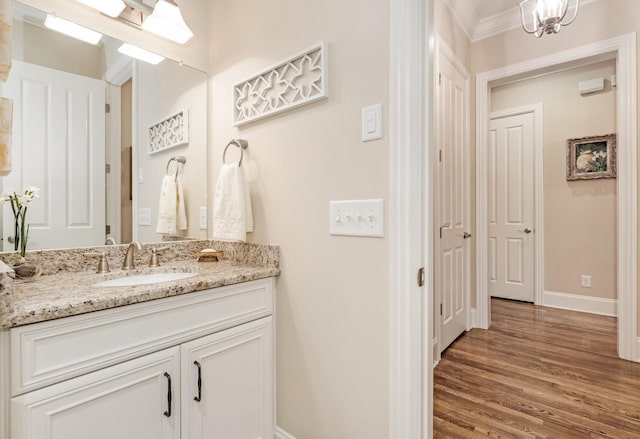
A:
(199, 365)
(129, 400)
(226, 396)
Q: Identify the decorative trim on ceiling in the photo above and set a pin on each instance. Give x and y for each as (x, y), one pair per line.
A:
(479, 29)
(299, 80)
(170, 132)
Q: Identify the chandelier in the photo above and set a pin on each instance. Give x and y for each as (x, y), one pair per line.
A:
(548, 16)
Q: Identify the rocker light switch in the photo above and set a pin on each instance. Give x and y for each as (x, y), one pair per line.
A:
(372, 123)
(144, 216)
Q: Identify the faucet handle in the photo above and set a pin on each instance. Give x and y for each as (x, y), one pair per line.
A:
(103, 264)
(154, 261)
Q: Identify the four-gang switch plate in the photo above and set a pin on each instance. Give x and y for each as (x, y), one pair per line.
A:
(356, 218)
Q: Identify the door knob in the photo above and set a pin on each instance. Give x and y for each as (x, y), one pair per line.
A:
(466, 235)
(527, 230)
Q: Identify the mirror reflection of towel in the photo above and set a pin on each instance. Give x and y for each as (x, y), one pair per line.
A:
(172, 214)
(232, 213)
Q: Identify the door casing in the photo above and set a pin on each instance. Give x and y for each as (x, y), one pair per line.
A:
(623, 49)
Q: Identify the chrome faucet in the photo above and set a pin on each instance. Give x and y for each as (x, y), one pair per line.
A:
(129, 258)
(110, 241)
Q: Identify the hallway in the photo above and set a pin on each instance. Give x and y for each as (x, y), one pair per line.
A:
(537, 373)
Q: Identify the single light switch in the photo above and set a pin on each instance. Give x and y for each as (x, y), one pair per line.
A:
(203, 217)
(144, 216)
(372, 122)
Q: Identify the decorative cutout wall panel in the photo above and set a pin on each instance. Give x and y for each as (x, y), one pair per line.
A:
(170, 132)
(300, 80)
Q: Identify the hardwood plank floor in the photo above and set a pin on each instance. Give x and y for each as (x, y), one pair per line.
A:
(537, 373)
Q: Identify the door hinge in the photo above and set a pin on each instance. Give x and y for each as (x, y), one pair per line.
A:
(440, 155)
(441, 309)
(439, 78)
(107, 108)
(107, 168)
(107, 229)
(421, 277)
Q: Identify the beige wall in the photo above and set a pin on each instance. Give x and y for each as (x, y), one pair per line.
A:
(51, 49)
(580, 216)
(596, 21)
(333, 301)
(160, 91)
(194, 12)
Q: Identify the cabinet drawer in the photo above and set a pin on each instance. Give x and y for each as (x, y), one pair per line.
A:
(49, 352)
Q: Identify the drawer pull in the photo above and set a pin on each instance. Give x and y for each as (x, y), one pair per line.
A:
(167, 413)
(199, 397)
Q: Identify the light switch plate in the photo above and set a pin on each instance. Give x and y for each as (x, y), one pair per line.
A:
(356, 218)
(144, 216)
(372, 122)
(203, 217)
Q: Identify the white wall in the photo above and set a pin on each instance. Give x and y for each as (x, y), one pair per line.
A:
(332, 302)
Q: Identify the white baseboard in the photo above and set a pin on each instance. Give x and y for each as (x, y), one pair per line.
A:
(281, 434)
(436, 352)
(574, 302)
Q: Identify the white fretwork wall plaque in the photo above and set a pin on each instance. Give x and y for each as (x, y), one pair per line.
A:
(300, 80)
(169, 132)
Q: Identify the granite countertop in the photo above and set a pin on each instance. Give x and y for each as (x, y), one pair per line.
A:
(71, 293)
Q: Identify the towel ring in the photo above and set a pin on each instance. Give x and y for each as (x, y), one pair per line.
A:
(240, 143)
(179, 159)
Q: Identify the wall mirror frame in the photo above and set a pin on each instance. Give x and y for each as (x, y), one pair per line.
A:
(97, 176)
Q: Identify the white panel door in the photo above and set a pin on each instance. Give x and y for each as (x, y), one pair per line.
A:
(452, 243)
(511, 207)
(126, 401)
(58, 146)
(228, 384)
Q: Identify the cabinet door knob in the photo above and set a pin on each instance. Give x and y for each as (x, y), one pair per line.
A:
(527, 230)
(199, 397)
(167, 412)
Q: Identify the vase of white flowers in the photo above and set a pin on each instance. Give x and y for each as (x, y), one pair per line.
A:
(19, 204)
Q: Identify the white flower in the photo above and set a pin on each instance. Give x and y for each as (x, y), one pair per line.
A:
(33, 191)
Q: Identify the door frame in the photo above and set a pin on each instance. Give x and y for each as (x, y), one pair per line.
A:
(623, 49)
(410, 217)
(538, 193)
(443, 50)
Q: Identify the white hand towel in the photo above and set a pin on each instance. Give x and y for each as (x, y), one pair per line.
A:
(172, 215)
(232, 213)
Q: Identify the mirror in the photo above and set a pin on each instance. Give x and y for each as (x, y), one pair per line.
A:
(100, 167)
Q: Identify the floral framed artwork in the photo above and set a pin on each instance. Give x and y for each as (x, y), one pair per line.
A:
(590, 158)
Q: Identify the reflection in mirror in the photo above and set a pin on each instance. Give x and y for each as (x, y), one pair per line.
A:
(98, 176)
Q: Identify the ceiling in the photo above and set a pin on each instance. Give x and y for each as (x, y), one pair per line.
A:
(484, 18)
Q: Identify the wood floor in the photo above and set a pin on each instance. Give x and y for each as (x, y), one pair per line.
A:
(537, 373)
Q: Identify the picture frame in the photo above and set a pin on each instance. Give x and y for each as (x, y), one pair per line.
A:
(590, 158)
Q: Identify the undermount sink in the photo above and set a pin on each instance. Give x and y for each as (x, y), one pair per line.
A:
(143, 279)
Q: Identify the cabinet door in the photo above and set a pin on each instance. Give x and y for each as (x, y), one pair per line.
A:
(234, 397)
(126, 401)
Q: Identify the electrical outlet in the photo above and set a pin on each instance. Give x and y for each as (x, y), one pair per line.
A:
(585, 281)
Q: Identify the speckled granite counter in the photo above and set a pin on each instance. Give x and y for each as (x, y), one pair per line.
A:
(71, 292)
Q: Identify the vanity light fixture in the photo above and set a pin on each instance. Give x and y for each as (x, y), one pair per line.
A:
(72, 29)
(548, 16)
(112, 8)
(141, 54)
(166, 21)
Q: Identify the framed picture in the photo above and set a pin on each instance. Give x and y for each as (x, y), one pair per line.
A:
(592, 157)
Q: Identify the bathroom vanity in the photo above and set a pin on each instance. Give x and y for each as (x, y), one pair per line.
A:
(110, 362)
